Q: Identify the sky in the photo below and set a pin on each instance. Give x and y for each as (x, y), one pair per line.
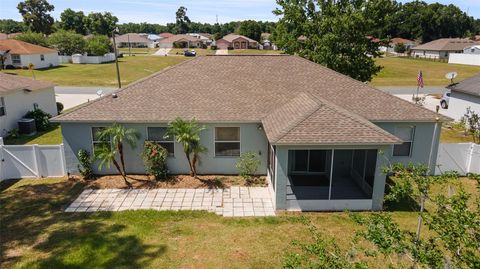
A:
(163, 11)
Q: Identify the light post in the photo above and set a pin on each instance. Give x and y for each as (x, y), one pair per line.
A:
(116, 56)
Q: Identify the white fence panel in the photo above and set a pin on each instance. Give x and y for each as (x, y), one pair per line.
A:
(31, 161)
(64, 59)
(462, 157)
(464, 58)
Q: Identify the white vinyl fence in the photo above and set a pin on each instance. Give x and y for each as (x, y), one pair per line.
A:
(31, 161)
(464, 58)
(463, 158)
(84, 59)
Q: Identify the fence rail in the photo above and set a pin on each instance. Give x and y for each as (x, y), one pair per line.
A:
(463, 158)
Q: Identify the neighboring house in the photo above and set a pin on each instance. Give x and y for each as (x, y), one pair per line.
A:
(134, 40)
(475, 49)
(322, 137)
(267, 44)
(464, 94)
(165, 35)
(470, 56)
(395, 41)
(441, 48)
(18, 95)
(21, 54)
(233, 41)
(205, 38)
(181, 41)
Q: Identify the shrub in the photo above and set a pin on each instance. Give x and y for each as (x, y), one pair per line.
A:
(213, 47)
(59, 107)
(14, 133)
(42, 119)
(67, 42)
(33, 38)
(155, 159)
(98, 45)
(85, 166)
(400, 48)
(247, 164)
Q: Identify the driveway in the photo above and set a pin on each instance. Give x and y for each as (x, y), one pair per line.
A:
(430, 102)
(162, 52)
(411, 90)
(221, 52)
(74, 96)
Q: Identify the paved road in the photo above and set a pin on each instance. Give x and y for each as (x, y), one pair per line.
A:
(74, 96)
(162, 51)
(412, 90)
(221, 52)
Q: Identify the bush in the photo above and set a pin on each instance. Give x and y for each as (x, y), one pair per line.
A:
(400, 48)
(98, 45)
(85, 166)
(213, 47)
(67, 42)
(155, 159)
(247, 164)
(33, 38)
(59, 107)
(42, 119)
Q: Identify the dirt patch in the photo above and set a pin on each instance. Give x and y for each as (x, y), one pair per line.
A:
(176, 181)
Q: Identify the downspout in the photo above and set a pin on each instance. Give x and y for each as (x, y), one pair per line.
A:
(434, 137)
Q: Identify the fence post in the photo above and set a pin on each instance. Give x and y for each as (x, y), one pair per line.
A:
(470, 157)
(1, 159)
(36, 157)
(64, 163)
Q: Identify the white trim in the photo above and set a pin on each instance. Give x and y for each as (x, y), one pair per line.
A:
(97, 141)
(215, 142)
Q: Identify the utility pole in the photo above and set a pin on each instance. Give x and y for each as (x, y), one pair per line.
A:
(129, 46)
(116, 57)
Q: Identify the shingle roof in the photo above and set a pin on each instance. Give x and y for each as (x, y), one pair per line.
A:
(446, 44)
(20, 47)
(268, 89)
(132, 38)
(231, 37)
(165, 35)
(468, 86)
(176, 38)
(10, 83)
(397, 40)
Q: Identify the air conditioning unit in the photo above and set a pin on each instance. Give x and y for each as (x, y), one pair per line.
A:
(27, 126)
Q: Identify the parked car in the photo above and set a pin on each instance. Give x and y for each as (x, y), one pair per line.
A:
(190, 53)
(445, 100)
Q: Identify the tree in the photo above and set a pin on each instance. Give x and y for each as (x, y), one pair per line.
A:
(187, 133)
(33, 38)
(471, 123)
(98, 45)
(67, 42)
(336, 35)
(107, 152)
(400, 48)
(71, 20)
(10, 26)
(101, 23)
(35, 15)
(251, 29)
(182, 21)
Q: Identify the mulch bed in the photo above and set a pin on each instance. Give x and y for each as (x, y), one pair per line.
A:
(174, 181)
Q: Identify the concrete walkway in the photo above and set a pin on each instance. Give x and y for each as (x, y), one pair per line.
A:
(221, 52)
(231, 202)
(162, 52)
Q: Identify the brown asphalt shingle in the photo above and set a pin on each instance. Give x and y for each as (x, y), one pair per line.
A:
(10, 83)
(20, 47)
(446, 44)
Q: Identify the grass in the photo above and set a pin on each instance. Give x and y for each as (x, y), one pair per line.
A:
(125, 51)
(454, 135)
(131, 69)
(200, 52)
(52, 136)
(404, 71)
(254, 51)
(37, 234)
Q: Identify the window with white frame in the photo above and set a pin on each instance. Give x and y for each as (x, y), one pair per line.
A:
(97, 142)
(157, 134)
(406, 133)
(42, 57)
(16, 59)
(3, 111)
(227, 141)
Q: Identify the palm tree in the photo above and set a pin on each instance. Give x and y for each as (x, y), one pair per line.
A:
(187, 133)
(116, 134)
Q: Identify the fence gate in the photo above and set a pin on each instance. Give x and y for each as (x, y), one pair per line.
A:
(31, 161)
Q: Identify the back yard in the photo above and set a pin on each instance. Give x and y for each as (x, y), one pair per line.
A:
(37, 234)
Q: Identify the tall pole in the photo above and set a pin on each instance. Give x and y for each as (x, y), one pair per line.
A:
(129, 46)
(116, 59)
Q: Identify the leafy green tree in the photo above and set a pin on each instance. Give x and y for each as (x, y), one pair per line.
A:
(33, 38)
(400, 48)
(182, 21)
(35, 15)
(187, 133)
(251, 29)
(336, 35)
(101, 23)
(71, 20)
(98, 45)
(67, 42)
(107, 152)
(382, 17)
(9, 26)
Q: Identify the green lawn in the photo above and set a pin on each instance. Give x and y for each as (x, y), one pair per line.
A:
(454, 135)
(53, 136)
(254, 51)
(200, 52)
(131, 69)
(126, 51)
(404, 71)
(37, 234)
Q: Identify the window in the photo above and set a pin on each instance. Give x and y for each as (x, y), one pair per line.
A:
(227, 141)
(3, 111)
(16, 59)
(314, 161)
(96, 141)
(271, 163)
(406, 134)
(42, 57)
(157, 134)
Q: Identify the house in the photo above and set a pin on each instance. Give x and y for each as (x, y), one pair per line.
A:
(233, 41)
(21, 54)
(134, 40)
(204, 37)
(322, 137)
(465, 94)
(181, 41)
(395, 41)
(267, 44)
(441, 48)
(470, 56)
(18, 95)
(475, 49)
(165, 35)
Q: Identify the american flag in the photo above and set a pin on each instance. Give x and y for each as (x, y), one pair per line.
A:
(420, 79)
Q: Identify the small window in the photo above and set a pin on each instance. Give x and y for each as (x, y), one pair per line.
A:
(42, 57)
(406, 134)
(3, 111)
(157, 134)
(16, 59)
(96, 141)
(227, 141)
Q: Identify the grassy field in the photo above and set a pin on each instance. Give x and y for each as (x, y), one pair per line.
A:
(454, 135)
(404, 71)
(200, 52)
(53, 136)
(126, 51)
(131, 69)
(37, 234)
(254, 51)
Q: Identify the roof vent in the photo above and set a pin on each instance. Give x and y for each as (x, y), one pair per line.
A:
(114, 95)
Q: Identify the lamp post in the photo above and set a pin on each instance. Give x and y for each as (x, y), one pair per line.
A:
(116, 56)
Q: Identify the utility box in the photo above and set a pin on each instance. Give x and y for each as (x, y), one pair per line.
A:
(27, 126)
